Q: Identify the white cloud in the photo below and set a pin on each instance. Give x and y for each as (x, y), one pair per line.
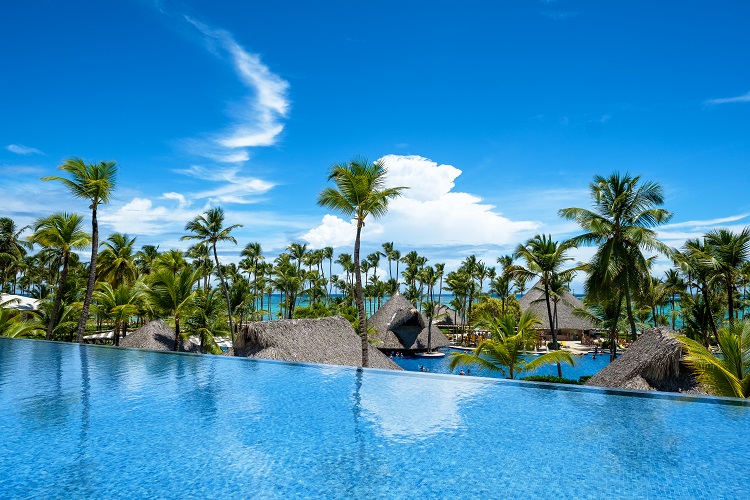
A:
(258, 116)
(233, 187)
(728, 100)
(140, 216)
(429, 213)
(22, 150)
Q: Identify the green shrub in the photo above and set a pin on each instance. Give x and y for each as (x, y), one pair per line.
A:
(552, 378)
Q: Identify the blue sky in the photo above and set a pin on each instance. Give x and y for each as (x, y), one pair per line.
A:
(495, 113)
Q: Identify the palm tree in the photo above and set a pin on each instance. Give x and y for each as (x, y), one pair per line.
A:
(297, 252)
(119, 304)
(360, 191)
(116, 262)
(673, 285)
(145, 259)
(728, 375)
(254, 252)
(432, 311)
(63, 233)
(12, 247)
(728, 252)
(509, 341)
(544, 260)
(624, 213)
(173, 293)
(93, 182)
(209, 229)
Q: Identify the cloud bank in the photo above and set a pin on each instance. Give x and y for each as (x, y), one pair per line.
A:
(429, 213)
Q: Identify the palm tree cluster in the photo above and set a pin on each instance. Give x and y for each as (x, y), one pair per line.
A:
(704, 293)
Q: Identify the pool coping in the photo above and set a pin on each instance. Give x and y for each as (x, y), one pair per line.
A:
(693, 398)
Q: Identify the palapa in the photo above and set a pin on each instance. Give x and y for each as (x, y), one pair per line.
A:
(653, 362)
(567, 322)
(330, 340)
(400, 326)
(157, 336)
(445, 316)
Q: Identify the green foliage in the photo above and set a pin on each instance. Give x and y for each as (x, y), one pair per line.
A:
(726, 376)
(509, 341)
(490, 306)
(316, 310)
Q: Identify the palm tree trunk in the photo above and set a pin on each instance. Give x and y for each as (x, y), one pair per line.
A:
(629, 310)
(58, 297)
(117, 333)
(92, 275)
(226, 292)
(704, 290)
(176, 346)
(360, 302)
(730, 298)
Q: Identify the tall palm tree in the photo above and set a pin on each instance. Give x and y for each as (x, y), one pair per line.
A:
(254, 252)
(63, 233)
(209, 229)
(545, 260)
(145, 258)
(729, 252)
(388, 252)
(673, 285)
(360, 191)
(328, 254)
(93, 182)
(509, 341)
(624, 213)
(173, 293)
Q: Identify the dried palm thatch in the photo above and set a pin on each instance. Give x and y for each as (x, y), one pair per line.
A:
(157, 336)
(330, 341)
(400, 326)
(566, 320)
(653, 362)
(445, 316)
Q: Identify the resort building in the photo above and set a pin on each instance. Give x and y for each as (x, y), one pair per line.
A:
(568, 324)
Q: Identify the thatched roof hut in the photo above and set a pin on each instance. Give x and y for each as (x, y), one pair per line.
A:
(566, 322)
(400, 326)
(653, 362)
(330, 341)
(445, 316)
(156, 335)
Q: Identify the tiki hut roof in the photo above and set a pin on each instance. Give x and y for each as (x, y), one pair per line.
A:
(400, 325)
(330, 341)
(445, 316)
(534, 300)
(157, 336)
(653, 362)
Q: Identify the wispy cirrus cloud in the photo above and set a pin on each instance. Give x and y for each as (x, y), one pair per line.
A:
(20, 149)
(728, 100)
(257, 117)
(232, 186)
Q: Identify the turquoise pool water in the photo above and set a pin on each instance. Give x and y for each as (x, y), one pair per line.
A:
(93, 422)
(585, 365)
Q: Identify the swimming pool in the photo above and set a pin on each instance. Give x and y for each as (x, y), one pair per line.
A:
(585, 365)
(88, 421)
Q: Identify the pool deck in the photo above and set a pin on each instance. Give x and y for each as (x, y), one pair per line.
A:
(575, 347)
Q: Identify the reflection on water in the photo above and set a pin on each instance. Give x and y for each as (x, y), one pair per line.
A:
(415, 408)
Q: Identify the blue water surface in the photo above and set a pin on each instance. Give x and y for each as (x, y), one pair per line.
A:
(103, 422)
(586, 365)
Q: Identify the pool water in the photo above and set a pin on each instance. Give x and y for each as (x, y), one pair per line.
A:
(93, 422)
(584, 365)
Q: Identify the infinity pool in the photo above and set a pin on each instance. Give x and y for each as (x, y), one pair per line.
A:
(92, 422)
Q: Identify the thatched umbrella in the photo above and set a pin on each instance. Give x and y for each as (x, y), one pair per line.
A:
(330, 341)
(400, 326)
(156, 335)
(653, 362)
(445, 316)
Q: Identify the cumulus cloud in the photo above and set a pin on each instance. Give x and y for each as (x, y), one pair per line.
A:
(429, 213)
(20, 149)
(728, 100)
(258, 116)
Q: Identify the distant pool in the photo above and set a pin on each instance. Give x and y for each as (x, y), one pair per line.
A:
(92, 422)
(585, 365)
